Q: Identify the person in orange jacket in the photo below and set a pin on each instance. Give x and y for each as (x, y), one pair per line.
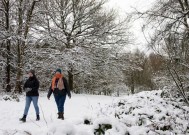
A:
(59, 87)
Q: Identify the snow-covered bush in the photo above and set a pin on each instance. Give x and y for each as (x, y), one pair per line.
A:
(149, 114)
(7, 97)
(100, 130)
(12, 97)
(101, 126)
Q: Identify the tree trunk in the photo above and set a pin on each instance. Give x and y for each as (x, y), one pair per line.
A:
(19, 70)
(70, 78)
(8, 44)
(132, 84)
(8, 86)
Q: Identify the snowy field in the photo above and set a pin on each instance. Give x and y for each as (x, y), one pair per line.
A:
(145, 113)
(75, 109)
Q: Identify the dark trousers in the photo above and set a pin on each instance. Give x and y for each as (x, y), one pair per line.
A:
(60, 100)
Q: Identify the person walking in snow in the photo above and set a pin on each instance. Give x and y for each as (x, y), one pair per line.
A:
(59, 87)
(31, 87)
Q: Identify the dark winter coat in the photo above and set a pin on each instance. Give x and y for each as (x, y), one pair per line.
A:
(56, 91)
(32, 83)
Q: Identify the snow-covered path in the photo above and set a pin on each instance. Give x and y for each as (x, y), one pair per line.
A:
(75, 109)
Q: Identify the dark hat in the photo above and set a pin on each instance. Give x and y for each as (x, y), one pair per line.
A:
(32, 71)
(59, 70)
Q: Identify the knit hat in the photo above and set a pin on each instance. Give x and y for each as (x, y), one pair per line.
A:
(59, 70)
(32, 71)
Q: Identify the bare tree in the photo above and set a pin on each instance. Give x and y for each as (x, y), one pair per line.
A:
(5, 38)
(15, 24)
(139, 72)
(82, 23)
(25, 14)
(5, 43)
(169, 20)
(80, 35)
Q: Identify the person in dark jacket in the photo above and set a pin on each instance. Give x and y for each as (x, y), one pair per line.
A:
(59, 87)
(31, 87)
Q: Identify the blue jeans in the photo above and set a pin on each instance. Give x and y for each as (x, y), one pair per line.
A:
(34, 99)
(60, 100)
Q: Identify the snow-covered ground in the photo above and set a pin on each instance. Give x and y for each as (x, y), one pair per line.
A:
(145, 113)
(75, 109)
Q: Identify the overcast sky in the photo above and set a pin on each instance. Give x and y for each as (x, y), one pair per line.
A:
(127, 6)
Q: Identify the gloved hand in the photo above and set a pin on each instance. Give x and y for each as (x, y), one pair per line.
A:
(28, 89)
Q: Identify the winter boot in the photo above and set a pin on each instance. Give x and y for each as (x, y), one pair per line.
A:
(62, 116)
(59, 117)
(38, 118)
(23, 119)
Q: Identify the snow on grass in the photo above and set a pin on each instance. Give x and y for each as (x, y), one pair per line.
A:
(145, 113)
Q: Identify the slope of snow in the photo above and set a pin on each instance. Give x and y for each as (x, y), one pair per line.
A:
(145, 113)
